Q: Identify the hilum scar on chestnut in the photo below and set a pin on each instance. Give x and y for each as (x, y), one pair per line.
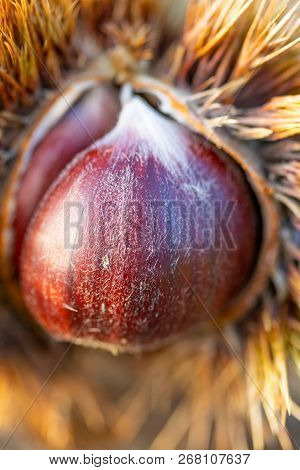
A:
(148, 232)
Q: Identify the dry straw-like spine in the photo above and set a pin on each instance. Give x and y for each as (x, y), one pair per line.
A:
(241, 38)
(278, 119)
(35, 37)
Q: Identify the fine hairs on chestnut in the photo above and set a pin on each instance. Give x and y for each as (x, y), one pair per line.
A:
(150, 207)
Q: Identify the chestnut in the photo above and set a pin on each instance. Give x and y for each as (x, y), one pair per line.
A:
(146, 234)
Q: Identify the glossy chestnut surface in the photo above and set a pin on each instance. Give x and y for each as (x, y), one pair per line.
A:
(146, 233)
